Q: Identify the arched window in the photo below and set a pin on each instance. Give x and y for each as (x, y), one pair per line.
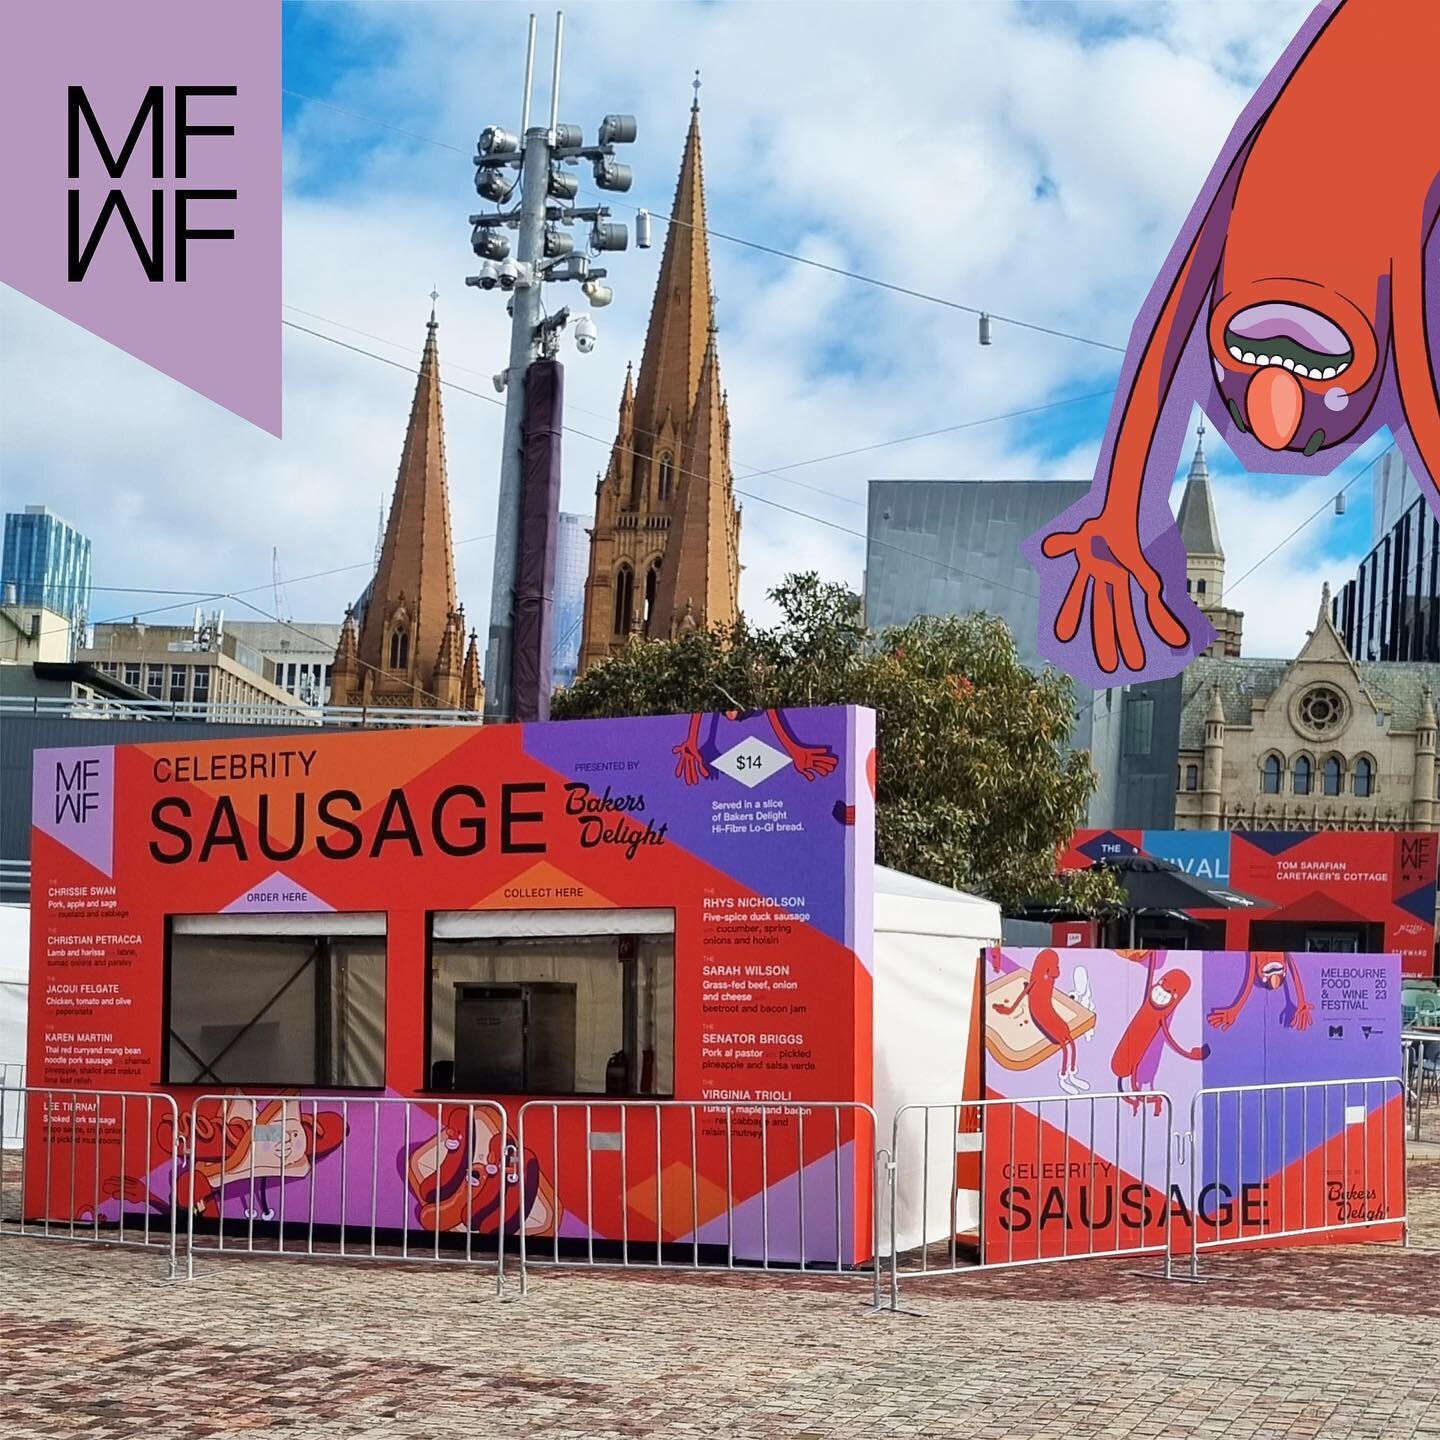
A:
(399, 648)
(1364, 782)
(667, 475)
(1332, 773)
(1199, 587)
(1270, 775)
(624, 598)
(1302, 772)
(1192, 777)
(652, 586)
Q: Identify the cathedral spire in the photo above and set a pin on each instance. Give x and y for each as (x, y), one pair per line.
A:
(700, 565)
(666, 528)
(681, 313)
(412, 598)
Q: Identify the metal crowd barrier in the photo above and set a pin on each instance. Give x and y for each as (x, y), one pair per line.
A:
(97, 1162)
(934, 1238)
(12, 1124)
(635, 1195)
(331, 1162)
(1420, 1065)
(1317, 1166)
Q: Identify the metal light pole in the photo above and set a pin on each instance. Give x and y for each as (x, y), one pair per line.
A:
(544, 252)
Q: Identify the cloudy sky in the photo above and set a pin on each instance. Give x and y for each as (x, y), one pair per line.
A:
(1033, 158)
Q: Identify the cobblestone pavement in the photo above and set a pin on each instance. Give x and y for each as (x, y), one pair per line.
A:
(1318, 1343)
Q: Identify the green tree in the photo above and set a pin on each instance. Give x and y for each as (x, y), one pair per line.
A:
(976, 785)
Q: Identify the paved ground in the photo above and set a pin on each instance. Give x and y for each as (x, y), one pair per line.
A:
(1341, 1342)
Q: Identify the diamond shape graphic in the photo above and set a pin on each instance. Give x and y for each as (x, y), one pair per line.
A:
(751, 762)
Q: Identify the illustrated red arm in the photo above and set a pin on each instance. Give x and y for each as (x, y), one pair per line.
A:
(1415, 357)
(812, 761)
(1224, 1016)
(1304, 1010)
(690, 766)
(1198, 1053)
(1001, 1008)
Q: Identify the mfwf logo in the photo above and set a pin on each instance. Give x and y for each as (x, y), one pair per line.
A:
(150, 251)
(77, 791)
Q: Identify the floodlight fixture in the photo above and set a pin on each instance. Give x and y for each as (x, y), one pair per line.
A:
(609, 235)
(568, 137)
(489, 244)
(563, 184)
(495, 141)
(496, 185)
(612, 175)
(617, 130)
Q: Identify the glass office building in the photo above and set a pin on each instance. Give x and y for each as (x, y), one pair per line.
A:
(47, 562)
(951, 547)
(572, 569)
(1391, 609)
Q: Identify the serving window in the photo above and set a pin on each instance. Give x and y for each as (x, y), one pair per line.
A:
(276, 1000)
(561, 1002)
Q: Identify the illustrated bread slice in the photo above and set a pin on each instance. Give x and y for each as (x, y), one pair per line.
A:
(1014, 1040)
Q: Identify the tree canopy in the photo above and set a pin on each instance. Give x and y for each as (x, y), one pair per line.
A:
(976, 785)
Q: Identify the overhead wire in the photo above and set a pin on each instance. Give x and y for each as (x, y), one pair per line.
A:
(757, 245)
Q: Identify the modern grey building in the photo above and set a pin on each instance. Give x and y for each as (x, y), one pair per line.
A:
(952, 547)
(572, 569)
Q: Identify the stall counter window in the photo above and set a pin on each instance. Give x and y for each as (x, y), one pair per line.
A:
(564, 1002)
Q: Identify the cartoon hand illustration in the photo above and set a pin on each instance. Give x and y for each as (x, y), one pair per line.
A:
(690, 767)
(1304, 1014)
(812, 761)
(1223, 1018)
(1108, 556)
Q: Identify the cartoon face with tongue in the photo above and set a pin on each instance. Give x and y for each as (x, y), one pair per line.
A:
(1293, 307)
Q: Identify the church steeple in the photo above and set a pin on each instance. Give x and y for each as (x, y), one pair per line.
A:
(666, 529)
(701, 565)
(1204, 555)
(681, 314)
(407, 651)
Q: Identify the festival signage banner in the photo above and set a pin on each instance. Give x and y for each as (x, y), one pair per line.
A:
(1320, 877)
(1095, 1176)
(757, 831)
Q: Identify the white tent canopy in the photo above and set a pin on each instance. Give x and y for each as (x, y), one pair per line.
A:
(929, 940)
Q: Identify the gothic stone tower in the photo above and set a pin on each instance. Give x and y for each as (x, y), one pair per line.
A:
(664, 550)
(409, 650)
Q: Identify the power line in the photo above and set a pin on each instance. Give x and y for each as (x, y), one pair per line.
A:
(682, 470)
(1308, 520)
(839, 270)
(755, 471)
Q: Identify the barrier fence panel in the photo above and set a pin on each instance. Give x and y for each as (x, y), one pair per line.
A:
(1052, 1178)
(12, 1126)
(1420, 1065)
(680, 1184)
(346, 1177)
(1322, 1158)
(86, 1173)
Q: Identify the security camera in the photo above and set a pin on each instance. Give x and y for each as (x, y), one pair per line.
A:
(507, 273)
(597, 294)
(488, 277)
(585, 333)
(499, 380)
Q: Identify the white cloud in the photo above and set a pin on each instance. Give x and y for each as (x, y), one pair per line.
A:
(1033, 159)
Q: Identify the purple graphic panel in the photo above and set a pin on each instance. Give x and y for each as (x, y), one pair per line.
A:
(196, 291)
(73, 801)
(737, 792)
